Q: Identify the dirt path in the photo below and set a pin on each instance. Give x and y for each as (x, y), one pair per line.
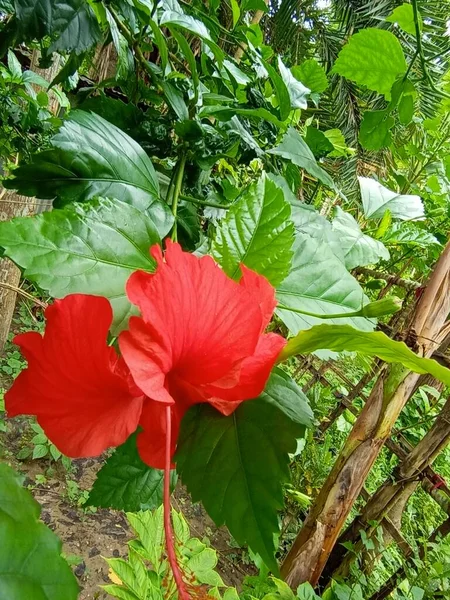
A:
(88, 536)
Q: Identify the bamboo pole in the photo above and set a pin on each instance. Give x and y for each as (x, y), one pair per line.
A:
(314, 543)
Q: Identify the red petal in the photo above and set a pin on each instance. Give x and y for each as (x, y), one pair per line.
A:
(262, 291)
(254, 375)
(78, 388)
(151, 442)
(202, 322)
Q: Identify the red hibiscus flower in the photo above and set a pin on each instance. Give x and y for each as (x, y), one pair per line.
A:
(200, 338)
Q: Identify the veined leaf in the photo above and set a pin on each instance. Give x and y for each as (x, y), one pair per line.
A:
(191, 24)
(297, 91)
(372, 58)
(341, 338)
(256, 232)
(400, 234)
(125, 482)
(31, 565)
(377, 199)
(318, 283)
(375, 130)
(294, 148)
(312, 75)
(73, 24)
(359, 249)
(237, 465)
(87, 248)
(91, 157)
(403, 15)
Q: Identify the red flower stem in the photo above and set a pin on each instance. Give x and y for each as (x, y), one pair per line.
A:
(170, 543)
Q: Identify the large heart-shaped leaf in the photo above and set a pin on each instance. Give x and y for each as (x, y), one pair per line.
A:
(89, 248)
(31, 565)
(257, 232)
(342, 338)
(359, 249)
(377, 199)
(91, 157)
(72, 23)
(294, 148)
(318, 283)
(125, 482)
(372, 58)
(237, 465)
(312, 75)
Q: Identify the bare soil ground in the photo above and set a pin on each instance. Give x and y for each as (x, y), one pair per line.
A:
(89, 536)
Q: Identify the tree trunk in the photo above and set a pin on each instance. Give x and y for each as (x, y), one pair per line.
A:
(319, 533)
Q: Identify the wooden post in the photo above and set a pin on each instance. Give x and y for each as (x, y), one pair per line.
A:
(314, 543)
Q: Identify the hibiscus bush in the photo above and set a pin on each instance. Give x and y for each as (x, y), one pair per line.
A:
(186, 257)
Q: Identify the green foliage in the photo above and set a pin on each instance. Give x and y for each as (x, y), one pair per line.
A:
(256, 232)
(359, 249)
(372, 58)
(92, 157)
(377, 199)
(31, 565)
(125, 482)
(295, 149)
(223, 461)
(403, 15)
(85, 248)
(342, 338)
(138, 581)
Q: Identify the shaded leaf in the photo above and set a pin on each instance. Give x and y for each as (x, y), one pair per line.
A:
(372, 58)
(294, 148)
(92, 157)
(236, 467)
(87, 248)
(125, 482)
(375, 130)
(31, 565)
(256, 232)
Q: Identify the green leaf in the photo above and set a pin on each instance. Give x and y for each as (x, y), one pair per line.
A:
(237, 465)
(125, 482)
(372, 58)
(403, 15)
(281, 91)
(91, 158)
(375, 130)
(175, 100)
(297, 91)
(312, 75)
(14, 66)
(337, 139)
(318, 283)
(377, 199)
(89, 248)
(342, 338)
(318, 142)
(294, 148)
(31, 565)
(236, 12)
(73, 24)
(403, 233)
(256, 232)
(359, 249)
(191, 24)
(40, 451)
